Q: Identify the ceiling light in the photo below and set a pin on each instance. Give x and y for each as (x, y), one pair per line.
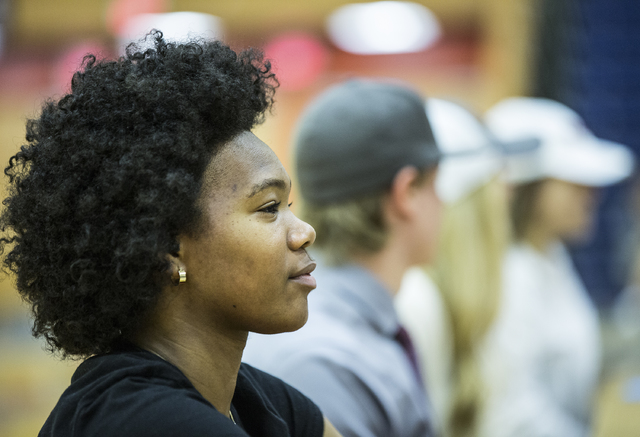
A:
(384, 27)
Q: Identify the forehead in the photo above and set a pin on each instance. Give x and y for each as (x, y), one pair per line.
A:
(241, 163)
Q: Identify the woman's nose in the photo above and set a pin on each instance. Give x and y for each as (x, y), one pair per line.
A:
(302, 235)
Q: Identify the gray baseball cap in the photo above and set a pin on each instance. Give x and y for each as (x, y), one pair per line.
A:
(354, 138)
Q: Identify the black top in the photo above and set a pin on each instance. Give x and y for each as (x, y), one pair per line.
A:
(133, 392)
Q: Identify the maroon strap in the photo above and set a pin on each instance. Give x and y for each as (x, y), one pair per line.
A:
(402, 337)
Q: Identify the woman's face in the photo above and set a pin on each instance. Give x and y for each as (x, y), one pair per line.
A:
(248, 268)
(565, 210)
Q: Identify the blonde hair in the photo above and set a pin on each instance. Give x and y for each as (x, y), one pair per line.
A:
(468, 272)
(348, 228)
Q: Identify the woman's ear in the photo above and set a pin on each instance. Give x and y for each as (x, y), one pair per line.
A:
(177, 271)
(403, 188)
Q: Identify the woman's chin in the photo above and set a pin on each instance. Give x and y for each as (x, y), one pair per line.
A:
(292, 323)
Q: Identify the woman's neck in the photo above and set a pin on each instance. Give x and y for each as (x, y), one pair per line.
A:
(539, 238)
(387, 265)
(209, 359)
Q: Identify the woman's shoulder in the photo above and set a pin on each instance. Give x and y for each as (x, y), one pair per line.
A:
(128, 369)
(135, 393)
(131, 393)
(524, 271)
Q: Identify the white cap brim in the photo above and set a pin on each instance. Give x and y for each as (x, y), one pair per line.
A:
(568, 150)
(591, 162)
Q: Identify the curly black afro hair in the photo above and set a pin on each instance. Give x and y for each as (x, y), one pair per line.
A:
(109, 178)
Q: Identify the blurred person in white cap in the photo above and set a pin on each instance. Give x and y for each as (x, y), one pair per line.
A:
(366, 162)
(542, 356)
(448, 306)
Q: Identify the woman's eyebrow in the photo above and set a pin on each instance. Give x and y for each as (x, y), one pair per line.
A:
(268, 183)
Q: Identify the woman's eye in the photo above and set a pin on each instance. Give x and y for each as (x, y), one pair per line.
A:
(272, 208)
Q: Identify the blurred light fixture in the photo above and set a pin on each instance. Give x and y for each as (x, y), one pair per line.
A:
(175, 26)
(298, 59)
(384, 27)
(119, 12)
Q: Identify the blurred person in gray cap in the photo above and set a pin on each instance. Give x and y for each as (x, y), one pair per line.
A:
(542, 356)
(366, 161)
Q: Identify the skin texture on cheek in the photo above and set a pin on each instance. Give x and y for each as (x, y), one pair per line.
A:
(254, 279)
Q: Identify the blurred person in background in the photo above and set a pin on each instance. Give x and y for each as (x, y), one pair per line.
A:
(448, 306)
(541, 358)
(149, 230)
(366, 160)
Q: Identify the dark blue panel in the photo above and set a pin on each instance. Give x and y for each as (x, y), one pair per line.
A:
(602, 83)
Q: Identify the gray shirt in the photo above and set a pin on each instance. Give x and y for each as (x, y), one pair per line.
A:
(347, 360)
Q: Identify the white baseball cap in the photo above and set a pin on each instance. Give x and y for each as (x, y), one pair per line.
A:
(568, 150)
(471, 156)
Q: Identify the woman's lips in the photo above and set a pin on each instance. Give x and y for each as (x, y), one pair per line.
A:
(305, 279)
(303, 276)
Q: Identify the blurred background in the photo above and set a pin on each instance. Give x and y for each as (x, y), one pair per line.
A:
(584, 53)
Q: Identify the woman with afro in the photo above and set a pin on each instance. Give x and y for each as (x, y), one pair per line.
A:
(149, 230)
